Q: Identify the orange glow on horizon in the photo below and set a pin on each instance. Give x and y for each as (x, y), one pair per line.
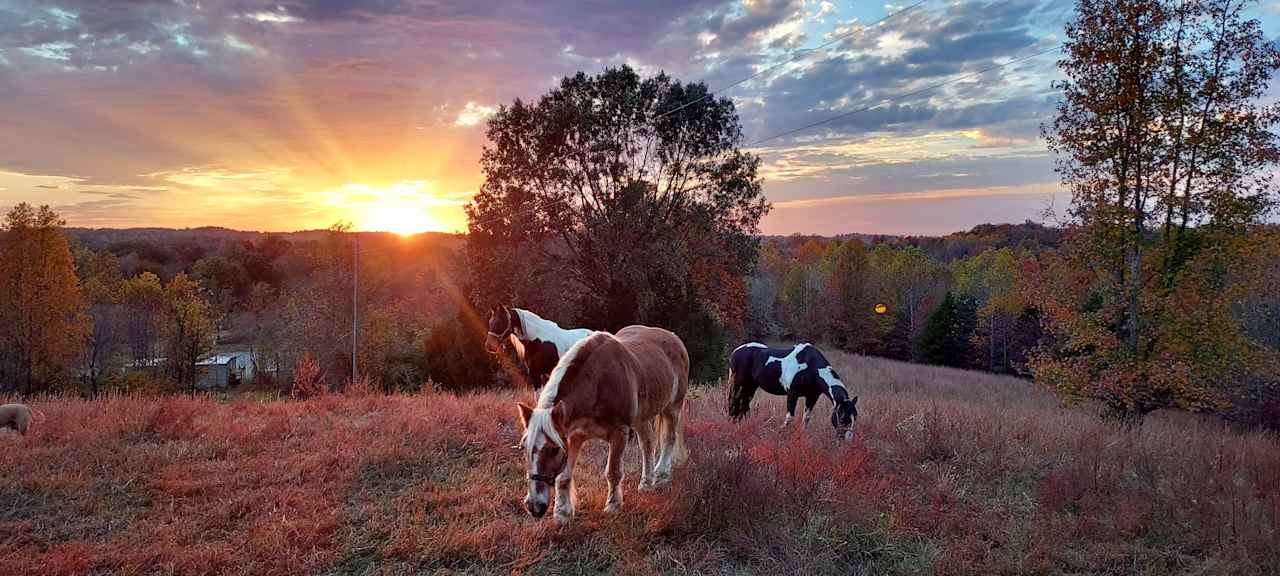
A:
(404, 208)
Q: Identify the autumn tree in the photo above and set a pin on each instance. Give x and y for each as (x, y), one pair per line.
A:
(1161, 138)
(142, 297)
(42, 314)
(630, 194)
(909, 283)
(850, 295)
(989, 280)
(186, 329)
(103, 287)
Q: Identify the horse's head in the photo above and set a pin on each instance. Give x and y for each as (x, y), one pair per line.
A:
(545, 453)
(500, 326)
(844, 417)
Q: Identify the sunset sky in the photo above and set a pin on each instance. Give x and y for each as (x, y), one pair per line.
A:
(296, 114)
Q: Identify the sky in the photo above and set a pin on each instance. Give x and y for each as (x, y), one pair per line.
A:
(296, 114)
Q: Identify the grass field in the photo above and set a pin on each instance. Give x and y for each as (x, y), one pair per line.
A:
(952, 473)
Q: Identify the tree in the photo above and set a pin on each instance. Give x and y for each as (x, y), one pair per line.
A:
(989, 281)
(186, 329)
(629, 195)
(1167, 152)
(910, 283)
(103, 288)
(43, 324)
(264, 329)
(802, 295)
(142, 297)
(946, 336)
(850, 295)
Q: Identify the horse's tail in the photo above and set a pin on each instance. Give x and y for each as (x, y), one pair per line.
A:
(739, 401)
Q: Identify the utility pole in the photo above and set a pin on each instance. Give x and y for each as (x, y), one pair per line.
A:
(355, 290)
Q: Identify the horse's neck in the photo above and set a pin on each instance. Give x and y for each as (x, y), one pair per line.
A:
(534, 327)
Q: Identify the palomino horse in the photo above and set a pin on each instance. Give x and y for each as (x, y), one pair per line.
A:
(538, 343)
(603, 386)
(801, 372)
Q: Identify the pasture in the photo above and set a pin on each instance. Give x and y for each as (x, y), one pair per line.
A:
(952, 472)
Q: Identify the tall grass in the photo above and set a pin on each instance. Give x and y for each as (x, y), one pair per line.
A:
(953, 472)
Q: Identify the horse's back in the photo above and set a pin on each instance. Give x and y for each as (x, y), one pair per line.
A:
(663, 363)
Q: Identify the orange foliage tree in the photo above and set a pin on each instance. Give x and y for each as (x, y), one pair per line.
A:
(43, 324)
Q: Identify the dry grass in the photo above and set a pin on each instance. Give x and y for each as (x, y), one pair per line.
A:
(953, 473)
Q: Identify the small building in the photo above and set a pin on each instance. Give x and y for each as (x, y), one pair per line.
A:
(219, 370)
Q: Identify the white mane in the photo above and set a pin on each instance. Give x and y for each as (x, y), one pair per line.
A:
(534, 327)
(748, 345)
(540, 423)
(829, 376)
(547, 398)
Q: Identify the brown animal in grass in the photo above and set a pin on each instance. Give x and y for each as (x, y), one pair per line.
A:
(604, 385)
(17, 416)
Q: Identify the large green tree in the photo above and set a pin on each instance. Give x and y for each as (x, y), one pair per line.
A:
(630, 193)
(1167, 150)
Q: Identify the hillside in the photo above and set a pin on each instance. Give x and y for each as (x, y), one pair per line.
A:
(953, 472)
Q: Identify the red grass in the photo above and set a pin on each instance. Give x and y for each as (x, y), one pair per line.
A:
(952, 473)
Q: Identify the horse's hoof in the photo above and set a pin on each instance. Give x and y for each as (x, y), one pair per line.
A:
(563, 518)
(647, 486)
(612, 508)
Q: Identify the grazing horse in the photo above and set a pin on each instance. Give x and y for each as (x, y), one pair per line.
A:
(605, 385)
(801, 372)
(538, 343)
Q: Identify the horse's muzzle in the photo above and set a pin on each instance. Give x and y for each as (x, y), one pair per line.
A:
(535, 509)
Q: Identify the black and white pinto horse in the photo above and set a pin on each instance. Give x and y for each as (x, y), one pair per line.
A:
(800, 372)
(539, 343)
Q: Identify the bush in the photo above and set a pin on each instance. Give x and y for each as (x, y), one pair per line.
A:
(308, 378)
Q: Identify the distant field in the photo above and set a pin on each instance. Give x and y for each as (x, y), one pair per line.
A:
(953, 473)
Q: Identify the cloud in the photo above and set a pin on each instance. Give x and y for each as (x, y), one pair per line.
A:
(1035, 189)
(473, 114)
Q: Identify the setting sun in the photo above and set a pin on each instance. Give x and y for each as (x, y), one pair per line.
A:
(407, 207)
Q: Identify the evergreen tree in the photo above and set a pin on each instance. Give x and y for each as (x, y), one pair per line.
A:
(947, 336)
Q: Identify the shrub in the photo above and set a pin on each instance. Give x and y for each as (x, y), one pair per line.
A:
(308, 378)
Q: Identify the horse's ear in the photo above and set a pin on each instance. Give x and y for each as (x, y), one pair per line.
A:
(525, 413)
(855, 400)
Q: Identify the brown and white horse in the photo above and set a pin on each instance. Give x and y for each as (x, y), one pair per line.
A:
(604, 385)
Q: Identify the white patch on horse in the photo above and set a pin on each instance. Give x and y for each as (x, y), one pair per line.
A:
(790, 366)
(749, 345)
(829, 377)
(534, 327)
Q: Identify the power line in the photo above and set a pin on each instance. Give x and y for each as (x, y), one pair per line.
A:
(789, 60)
(902, 96)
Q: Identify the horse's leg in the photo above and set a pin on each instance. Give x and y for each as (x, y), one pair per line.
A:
(645, 433)
(613, 470)
(670, 427)
(791, 409)
(566, 493)
(808, 409)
